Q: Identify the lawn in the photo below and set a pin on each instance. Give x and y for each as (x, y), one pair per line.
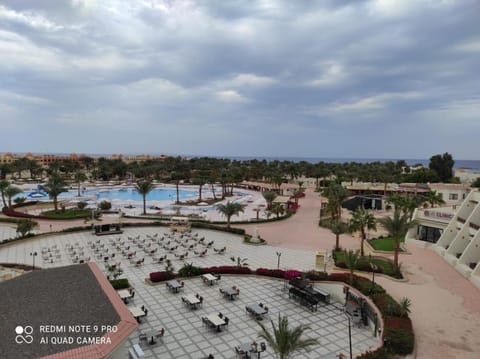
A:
(384, 244)
(68, 214)
(385, 265)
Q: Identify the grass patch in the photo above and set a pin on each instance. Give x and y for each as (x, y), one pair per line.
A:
(68, 214)
(384, 244)
(384, 266)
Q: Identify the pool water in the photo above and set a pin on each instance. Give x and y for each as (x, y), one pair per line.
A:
(122, 194)
(129, 194)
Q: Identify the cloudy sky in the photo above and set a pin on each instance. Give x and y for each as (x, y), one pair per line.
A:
(332, 78)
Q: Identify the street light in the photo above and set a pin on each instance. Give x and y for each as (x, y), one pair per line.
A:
(279, 254)
(373, 267)
(33, 254)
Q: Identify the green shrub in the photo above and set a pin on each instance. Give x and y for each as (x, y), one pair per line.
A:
(82, 205)
(399, 341)
(120, 283)
(189, 270)
(105, 205)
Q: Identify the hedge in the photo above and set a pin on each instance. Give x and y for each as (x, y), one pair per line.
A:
(120, 283)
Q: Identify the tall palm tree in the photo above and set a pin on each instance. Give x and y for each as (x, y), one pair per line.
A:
(397, 226)
(144, 188)
(352, 259)
(10, 192)
(269, 197)
(338, 228)
(286, 341)
(4, 184)
(336, 194)
(79, 177)
(362, 220)
(230, 209)
(54, 186)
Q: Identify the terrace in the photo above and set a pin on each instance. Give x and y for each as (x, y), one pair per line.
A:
(184, 334)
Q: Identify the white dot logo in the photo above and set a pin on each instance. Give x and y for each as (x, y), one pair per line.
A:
(24, 334)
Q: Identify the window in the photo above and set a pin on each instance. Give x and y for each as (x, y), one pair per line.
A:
(453, 196)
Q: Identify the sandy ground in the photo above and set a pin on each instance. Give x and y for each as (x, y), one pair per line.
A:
(445, 306)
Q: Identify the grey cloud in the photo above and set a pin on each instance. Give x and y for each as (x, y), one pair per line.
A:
(239, 77)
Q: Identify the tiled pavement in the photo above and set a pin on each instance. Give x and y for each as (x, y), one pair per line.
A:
(185, 336)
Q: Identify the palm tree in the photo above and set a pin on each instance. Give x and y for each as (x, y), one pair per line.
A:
(10, 192)
(4, 184)
(239, 261)
(54, 186)
(405, 304)
(336, 194)
(362, 220)
(79, 177)
(269, 197)
(200, 182)
(230, 209)
(278, 209)
(352, 259)
(144, 188)
(284, 341)
(433, 198)
(338, 228)
(397, 226)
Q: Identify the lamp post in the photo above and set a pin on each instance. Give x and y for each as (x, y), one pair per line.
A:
(373, 267)
(346, 291)
(33, 254)
(279, 254)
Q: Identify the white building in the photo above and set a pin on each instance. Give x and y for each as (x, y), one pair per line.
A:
(452, 193)
(454, 234)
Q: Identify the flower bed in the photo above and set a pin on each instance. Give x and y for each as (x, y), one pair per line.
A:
(156, 277)
(226, 270)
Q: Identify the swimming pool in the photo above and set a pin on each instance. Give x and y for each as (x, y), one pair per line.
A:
(120, 194)
(129, 194)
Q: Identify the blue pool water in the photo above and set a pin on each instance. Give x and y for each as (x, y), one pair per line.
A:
(129, 194)
(123, 194)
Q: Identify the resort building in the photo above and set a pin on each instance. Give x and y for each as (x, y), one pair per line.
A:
(452, 193)
(454, 233)
(64, 312)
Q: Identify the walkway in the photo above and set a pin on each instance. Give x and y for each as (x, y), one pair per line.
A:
(302, 230)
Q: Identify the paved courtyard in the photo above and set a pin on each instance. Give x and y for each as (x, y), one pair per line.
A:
(185, 335)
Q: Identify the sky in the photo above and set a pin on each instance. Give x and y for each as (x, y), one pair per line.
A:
(333, 78)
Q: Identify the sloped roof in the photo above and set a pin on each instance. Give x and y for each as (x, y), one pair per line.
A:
(64, 296)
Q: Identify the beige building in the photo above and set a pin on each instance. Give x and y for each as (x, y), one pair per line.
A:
(454, 233)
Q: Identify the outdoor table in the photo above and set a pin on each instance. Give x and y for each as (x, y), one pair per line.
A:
(151, 334)
(174, 285)
(247, 348)
(124, 294)
(257, 310)
(192, 300)
(137, 312)
(211, 279)
(230, 292)
(216, 321)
